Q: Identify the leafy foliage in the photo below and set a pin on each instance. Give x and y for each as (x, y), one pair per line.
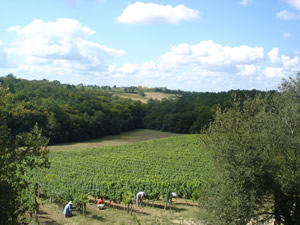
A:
(18, 156)
(256, 149)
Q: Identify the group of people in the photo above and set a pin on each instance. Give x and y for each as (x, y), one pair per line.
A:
(139, 200)
(141, 195)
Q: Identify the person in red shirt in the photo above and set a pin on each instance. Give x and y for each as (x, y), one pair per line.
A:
(99, 203)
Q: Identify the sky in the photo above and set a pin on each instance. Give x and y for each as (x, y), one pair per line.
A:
(191, 45)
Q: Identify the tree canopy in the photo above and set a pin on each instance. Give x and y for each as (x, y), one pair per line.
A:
(18, 156)
(256, 146)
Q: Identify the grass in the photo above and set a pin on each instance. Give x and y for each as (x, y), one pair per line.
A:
(180, 212)
(121, 139)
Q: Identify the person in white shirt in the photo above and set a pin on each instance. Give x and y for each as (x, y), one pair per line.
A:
(172, 195)
(139, 198)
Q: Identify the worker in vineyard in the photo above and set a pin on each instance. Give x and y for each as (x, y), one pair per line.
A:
(172, 195)
(68, 209)
(139, 198)
(100, 205)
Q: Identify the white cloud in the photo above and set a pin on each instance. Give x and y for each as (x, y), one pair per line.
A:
(274, 56)
(208, 54)
(150, 13)
(248, 70)
(211, 66)
(60, 45)
(273, 72)
(294, 3)
(128, 68)
(287, 15)
(286, 62)
(291, 63)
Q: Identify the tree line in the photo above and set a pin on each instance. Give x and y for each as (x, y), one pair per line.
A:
(67, 113)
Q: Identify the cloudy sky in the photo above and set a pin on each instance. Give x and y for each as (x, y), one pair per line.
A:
(192, 45)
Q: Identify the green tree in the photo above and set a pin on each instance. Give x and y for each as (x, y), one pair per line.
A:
(18, 156)
(256, 147)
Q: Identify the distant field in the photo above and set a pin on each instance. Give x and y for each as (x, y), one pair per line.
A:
(124, 138)
(148, 95)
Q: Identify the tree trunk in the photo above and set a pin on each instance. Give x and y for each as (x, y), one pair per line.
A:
(84, 209)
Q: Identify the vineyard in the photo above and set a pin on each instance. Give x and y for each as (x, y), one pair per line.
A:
(117, 173)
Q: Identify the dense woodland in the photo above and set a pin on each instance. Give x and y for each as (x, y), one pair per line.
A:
(67, 112)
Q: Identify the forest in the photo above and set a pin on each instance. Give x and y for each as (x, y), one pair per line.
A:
(68, 113)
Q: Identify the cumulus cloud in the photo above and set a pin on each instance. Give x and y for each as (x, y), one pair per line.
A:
(294, 3)
(211, 66)
(286, 62)
(212, 55)
(287, 15)
(203, 66)
(128, 68)
(60, 44)
(150, 13)
(274, 56)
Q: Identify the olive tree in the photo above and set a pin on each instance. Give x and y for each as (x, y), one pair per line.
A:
(256, 149)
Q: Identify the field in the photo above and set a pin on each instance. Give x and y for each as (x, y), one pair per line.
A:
(177, 163)
(121, 139)
(148, 95)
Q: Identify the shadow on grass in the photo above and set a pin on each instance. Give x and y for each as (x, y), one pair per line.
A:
(44, 219)
(99, 218)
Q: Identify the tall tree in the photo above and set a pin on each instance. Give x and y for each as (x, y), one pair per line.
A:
(18, 156)
(256, 147)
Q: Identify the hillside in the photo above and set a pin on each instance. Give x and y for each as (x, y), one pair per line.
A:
(179, 164)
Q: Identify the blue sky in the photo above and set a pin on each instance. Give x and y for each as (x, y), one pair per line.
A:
(192, 45)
